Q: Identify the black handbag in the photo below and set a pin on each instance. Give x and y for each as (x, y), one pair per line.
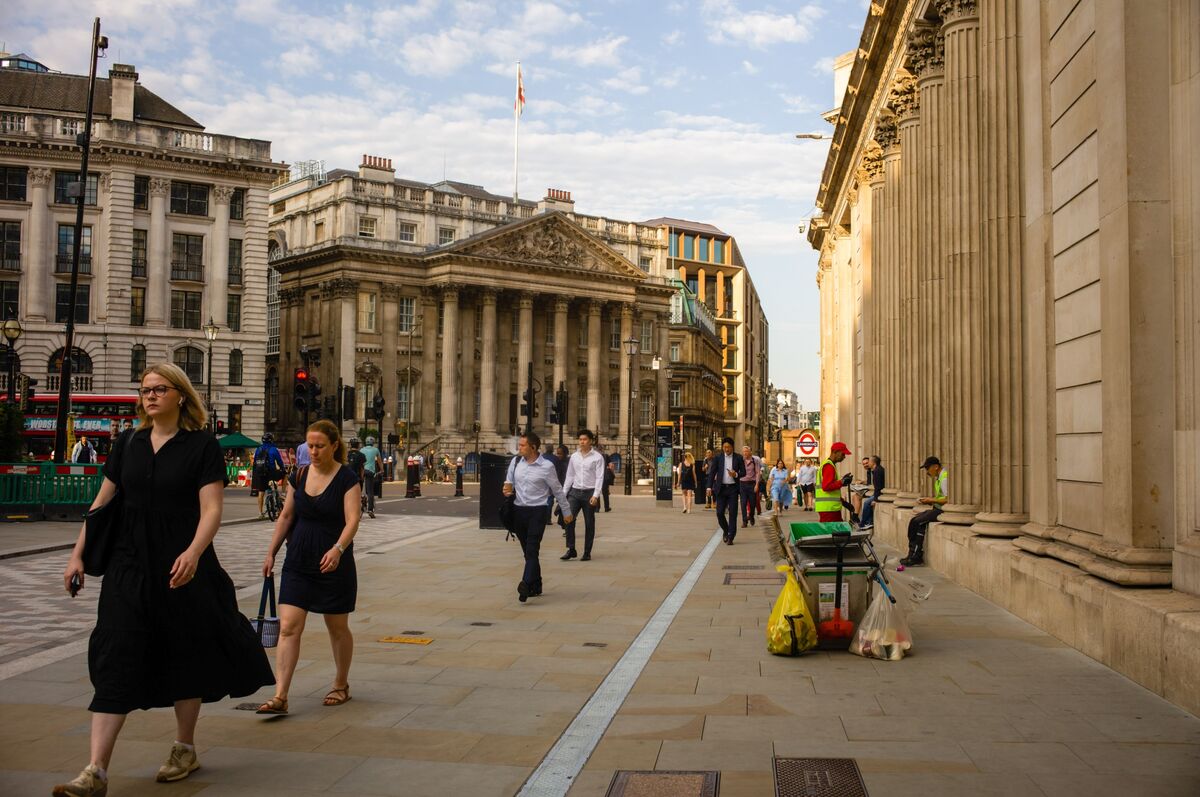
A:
(102, 524)
(507, 513)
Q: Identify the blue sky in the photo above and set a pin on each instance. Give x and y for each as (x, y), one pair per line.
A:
(640, 109)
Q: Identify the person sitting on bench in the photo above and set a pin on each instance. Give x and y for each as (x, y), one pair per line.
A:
(920, 522)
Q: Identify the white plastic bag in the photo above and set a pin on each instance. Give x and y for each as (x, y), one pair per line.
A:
(883, 632)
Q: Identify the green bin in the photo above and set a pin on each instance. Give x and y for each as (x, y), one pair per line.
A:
(804, 532)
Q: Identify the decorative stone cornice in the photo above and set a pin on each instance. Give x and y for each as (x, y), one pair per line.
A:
(160, 187)
(339, 288)
(390, 290)
(886, 135)
(955, 10)
(222, 194)
(904, 99)
(40, 177)
(291, 297)
(872, 164)
(926, 51)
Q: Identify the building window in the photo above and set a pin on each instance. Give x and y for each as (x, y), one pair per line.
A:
(10, 298)
(64, 179)
(233, 312)
(408, 312)
(673, 246)
(406, 233)
(437, 400)
(614, 334)
(516, 326)
(12, 183)
(185, 309)
(445, 235)
(644, 263)
(190, 199)
(235, 261)
(674, 352)
(646, 415)
(187, 257)
(141, 193)
(689, 247)
(318, 232)
(676, 397)
(140, 247)
(62, 303)
(581, 404)
(366, 311)
(614, 406)
(550, 331)
(235, 367)
(278, 207)
(718, 251)
(366, 227)
(66, 248)
(191, 360)
(137, 363)
(583, 331)
(702, 249)
(10, 245)
(237, 204)
(137, 306)
(402, 400)
(478, 321)
(70, 127)
(647, 341)
(475, 417)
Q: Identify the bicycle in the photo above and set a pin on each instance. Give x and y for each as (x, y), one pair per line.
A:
(273, 501)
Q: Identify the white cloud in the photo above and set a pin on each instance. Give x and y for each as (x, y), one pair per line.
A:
(706, 122)
(672, 78)
(603, 52)
(438, 53)
(298, 61)
(795, 103)
(728, 24)
(824, 66)
(673, 39)
(749, 68)
(629, 80)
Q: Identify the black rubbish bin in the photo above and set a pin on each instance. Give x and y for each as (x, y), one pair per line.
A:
(492, 470)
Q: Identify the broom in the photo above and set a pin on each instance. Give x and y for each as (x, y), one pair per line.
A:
(837, 627)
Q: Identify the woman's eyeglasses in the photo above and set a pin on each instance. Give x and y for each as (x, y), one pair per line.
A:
(157, 390)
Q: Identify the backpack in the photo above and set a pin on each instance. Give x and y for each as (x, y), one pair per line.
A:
(356, 460)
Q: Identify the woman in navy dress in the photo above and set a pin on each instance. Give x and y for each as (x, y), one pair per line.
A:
(168, 630)
(319, 520)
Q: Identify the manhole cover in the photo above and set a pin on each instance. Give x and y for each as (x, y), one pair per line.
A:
(818, 777)
(753, 579)
(743, 567)
(663, 783)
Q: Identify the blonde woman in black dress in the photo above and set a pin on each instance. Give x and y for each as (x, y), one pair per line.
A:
(319, 520)
(168, 631)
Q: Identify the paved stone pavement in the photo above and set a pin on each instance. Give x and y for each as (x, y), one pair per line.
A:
(988, 704)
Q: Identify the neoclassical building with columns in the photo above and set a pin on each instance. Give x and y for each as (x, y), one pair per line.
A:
(1008, 230)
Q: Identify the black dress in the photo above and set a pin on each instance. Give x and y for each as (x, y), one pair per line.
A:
(154, 645)
(319, 522)
(687, 478)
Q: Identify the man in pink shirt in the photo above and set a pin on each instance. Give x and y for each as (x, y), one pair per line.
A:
(747, 485)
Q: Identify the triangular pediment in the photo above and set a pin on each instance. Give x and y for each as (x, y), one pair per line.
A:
(548, 240)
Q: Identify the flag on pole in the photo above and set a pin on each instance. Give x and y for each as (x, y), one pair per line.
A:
(519, 103)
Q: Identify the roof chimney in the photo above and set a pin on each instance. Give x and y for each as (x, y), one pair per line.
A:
(557, 200)
(374, 167)
(122, 78)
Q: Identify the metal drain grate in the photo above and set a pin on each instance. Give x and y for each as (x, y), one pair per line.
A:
(743, 567)
(628, 783)
(818, 777)
(761, 579)
(595, 644)
(411, 633)
(247, 706)
(481, 624)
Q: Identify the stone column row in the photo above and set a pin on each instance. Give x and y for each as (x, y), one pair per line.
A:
(886, 137)
(909, 337)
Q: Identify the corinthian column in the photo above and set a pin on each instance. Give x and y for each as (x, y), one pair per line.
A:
(887, 271)
(962, 415)
(906, 104)
(158, 272)
(217, 280)
(524, 339)
(593, 366)
(487, 363)
(872, 180)
(1004, 477)
(626, 330)
(561, 304)
(449, 361)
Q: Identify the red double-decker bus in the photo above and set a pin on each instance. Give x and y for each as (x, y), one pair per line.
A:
(99, 417)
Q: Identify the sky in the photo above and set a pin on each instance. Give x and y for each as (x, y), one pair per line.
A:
(684, 108)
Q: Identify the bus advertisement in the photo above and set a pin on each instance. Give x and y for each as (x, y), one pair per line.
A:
(98, 417)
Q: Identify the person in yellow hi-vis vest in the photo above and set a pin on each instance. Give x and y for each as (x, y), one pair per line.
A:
(920, 521)
(828, 503)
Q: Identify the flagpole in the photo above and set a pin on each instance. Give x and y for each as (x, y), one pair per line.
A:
(516, 134)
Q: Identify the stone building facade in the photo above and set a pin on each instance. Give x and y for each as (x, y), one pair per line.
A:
(1008, 233)
(386, 280)
(175, 233)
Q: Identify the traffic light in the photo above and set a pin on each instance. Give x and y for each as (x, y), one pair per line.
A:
(314, 392)
(377, 407)
(329, 409)
(347, 402)
(300, 388)
(220, 427)
(554, 417)
(24, 391)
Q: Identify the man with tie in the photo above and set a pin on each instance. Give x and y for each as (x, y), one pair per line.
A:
(727, 469)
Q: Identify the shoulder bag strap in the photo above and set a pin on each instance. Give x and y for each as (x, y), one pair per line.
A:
(268, 594)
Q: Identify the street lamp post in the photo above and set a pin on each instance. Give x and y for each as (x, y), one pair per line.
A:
(210, 332)
(12, 331)
(631, 348)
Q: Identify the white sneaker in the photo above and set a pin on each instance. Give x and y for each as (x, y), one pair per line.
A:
(180, 763)
(86, 784)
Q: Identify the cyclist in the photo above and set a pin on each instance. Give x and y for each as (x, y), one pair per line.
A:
(372, 469)
(267, 466)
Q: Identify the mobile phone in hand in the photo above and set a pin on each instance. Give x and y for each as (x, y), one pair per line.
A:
(76, 585)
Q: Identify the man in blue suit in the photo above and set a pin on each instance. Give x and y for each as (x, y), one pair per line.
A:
(723, 475)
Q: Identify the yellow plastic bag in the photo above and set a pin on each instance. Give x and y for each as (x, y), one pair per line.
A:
(790, 630)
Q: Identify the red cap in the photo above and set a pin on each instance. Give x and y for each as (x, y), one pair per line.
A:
(839, 447)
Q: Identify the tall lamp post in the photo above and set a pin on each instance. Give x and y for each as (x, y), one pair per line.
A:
(12, 331)
(210, 332)
(631, 348)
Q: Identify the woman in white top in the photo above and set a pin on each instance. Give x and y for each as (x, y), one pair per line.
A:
(806, 475)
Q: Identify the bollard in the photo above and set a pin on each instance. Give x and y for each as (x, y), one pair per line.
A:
(458, 476)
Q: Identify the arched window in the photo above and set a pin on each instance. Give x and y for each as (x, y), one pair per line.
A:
(191, 360)
(235, 367)
(137, 362)
(274, 251)
(81, 363)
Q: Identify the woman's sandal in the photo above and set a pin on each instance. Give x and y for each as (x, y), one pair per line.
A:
(332, 698)
(276, 706)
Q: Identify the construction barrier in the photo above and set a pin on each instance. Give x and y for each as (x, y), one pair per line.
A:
(42, 490)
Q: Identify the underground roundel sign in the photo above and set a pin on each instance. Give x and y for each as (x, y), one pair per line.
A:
(806, 444)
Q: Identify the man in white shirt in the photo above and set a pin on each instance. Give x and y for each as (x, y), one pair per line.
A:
(532, 480)
(583, 484)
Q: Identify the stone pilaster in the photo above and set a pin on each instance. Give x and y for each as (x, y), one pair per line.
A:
(429, 363)
(906, 103)
(887, 138)
(389, 315)
(593, 364)
(561, 304)
(217, 279)
(873, 355)
(626, 331)
(487, 363)
(662, 333)
(158, 269)
(524, 340)
(39, 262)
(1006, 470)
(962, 414)
(449, 360)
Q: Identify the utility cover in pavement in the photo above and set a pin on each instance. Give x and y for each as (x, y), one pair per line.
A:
(753, 579)
(663, 783)
(818, 777)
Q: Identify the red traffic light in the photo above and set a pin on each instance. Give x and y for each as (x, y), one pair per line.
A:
(301, 374)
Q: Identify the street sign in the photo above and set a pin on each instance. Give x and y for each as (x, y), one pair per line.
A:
(807, 445)
(253, 402)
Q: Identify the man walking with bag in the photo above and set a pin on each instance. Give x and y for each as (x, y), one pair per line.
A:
(584, 484)
(532, 481)
(748, 486)
(726, 469)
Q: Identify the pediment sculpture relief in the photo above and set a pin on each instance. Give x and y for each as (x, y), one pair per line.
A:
(542, 245)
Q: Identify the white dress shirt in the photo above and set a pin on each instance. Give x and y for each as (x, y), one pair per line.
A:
(585, 472)
(534, 483)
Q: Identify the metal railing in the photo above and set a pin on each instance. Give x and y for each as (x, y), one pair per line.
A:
(79, 382)
(191, 272)
(62, 264)
(39, 489)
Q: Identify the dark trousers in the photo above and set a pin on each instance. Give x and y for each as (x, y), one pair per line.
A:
(749, 501)
(581, 501)
(917, 528)
(604, 496)
(368, 486)
(726, 497)
(529, 524)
